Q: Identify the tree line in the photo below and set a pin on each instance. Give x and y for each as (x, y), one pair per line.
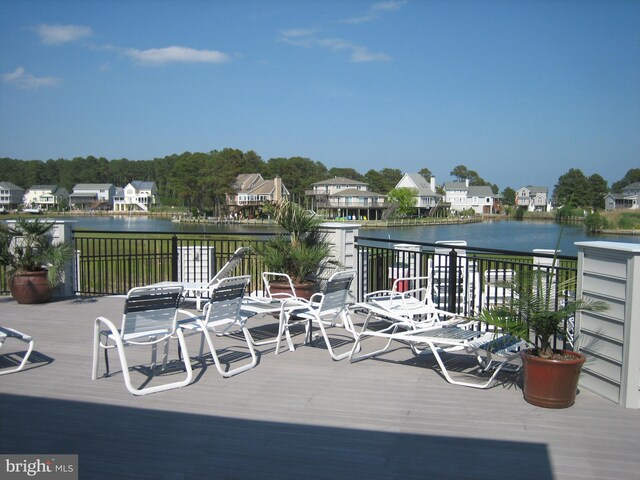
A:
(201, 180)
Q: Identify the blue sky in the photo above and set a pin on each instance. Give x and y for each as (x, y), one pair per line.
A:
(519, 91)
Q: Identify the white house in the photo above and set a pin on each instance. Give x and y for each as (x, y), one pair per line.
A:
(11, 196)
(45, 197)
(137, 195)
(426, 197)
(461, 196)
(92, 196)
(533, 198)
(341, 197)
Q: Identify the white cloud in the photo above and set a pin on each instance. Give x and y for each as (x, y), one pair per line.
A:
(21, 79)
(358, 53)
(162, 56)
(388, 6)
(298, 32)
(374, 12)
(59, 34)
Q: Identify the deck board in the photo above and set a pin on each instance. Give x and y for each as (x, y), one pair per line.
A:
(295, 415)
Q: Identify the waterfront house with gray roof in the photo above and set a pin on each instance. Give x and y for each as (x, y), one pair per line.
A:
(45, 197)
(461, 196)
(534, 199)
(92, 196)
(341, 197)
(426, 196)
(251, 192)
(11, 196)
(137, 196)
(627, 199)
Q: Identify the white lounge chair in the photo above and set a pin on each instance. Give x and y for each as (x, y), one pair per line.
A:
(492, 350)
(149, 318)
(202, 290)
(222, 315)
(7, 333)
(409, 298)
(328, 308)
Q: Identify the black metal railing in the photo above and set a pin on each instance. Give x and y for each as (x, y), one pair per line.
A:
(109, 263)
(462, 279)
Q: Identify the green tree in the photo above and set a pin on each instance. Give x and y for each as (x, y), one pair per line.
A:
(426, 173)
(509, 196)
(572, 190)
(349, 173)
(594, 222)
(405, 199)
(185, 180)
(383, 181)
(598, 188)
(630, 177)
(460, 173)
(297, 173)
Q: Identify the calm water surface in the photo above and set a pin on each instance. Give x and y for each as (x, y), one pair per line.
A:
(499, 234)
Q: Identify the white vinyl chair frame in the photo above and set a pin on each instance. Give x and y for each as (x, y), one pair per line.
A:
(222, 316)
(7, 333)
(140, 327)
(328, 308)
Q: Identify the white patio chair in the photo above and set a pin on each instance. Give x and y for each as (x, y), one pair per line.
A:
(285, 288)
(328, 308)
(492, 350)
(149, 318)
(200, 290)
(221, 316)
(409, 298)
(7, 333)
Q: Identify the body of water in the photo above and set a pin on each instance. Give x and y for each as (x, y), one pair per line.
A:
(499, 234)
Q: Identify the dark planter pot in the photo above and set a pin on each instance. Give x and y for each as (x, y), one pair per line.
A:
(31, 287)
(551, 383)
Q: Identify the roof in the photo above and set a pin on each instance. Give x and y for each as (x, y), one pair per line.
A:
(267, 187)
(10, 186)
(477, 191)
(93, 186)
(247, 180)
(142, 185)
(340, 181)
(632, 186)
(534, 189)
(356, 193)
(455, 186)
(422, 184)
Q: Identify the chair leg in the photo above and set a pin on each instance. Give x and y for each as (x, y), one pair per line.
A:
(216, 360)
(23, 338)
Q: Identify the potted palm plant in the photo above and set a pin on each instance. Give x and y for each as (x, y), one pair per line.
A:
(301, 252)
(34, 262)
(538, 312)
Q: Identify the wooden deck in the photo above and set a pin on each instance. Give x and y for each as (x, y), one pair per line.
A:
(296, 415)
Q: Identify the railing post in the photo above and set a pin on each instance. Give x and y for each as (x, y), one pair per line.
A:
(453, 281)
(174, 258)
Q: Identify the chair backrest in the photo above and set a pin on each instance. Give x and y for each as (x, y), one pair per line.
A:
(226, 300)
(284, 289)
(229, 267)
(336, 292)
(151, 309)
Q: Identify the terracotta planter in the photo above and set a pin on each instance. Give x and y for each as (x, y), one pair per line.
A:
(551, 383)
(303, 290)
(31, 287)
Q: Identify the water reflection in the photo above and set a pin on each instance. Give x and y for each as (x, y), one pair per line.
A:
(499, 234)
